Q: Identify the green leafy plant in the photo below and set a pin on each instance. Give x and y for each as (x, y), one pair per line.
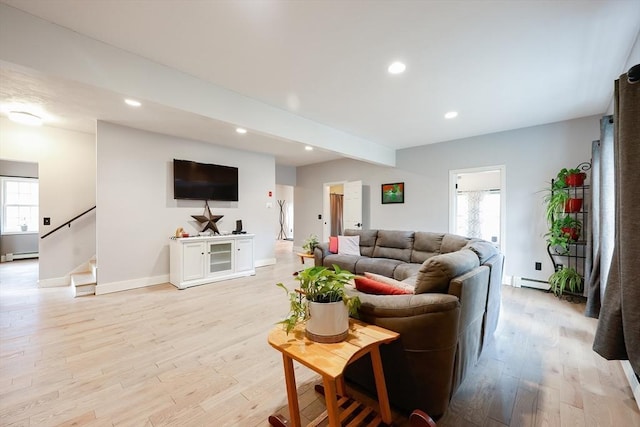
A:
(555, 200)
(567, 278)
(558, 238)
(310, 243)
(318, 284)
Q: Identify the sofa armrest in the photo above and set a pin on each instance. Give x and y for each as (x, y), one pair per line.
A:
(425, 321)
(419, 366)
(321, 251)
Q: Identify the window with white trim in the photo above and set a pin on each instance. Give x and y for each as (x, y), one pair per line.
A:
(19, 205)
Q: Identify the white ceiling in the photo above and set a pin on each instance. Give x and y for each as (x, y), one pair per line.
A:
(501, 64)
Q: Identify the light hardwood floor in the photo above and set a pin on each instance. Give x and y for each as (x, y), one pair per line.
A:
(199, 357)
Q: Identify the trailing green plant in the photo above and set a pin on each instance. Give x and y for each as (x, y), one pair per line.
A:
(310, 243)
(318, 284)
(567, 278)
(555, 200)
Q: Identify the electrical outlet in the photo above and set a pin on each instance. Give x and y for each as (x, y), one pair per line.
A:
(538, 266)
(47, 220)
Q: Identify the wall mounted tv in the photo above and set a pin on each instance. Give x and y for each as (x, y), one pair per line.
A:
(202, 181)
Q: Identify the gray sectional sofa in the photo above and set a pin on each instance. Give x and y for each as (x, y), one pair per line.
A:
(443, 326)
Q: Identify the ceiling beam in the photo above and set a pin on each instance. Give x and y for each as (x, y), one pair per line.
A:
(29, 41)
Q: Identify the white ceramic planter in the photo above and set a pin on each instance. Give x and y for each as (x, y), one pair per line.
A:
(328, 322)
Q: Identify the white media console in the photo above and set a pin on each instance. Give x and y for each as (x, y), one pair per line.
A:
(199, 260)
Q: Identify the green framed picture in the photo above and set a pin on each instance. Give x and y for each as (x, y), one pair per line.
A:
(393, 193)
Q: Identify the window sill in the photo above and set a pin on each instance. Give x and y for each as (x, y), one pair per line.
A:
(18, 233)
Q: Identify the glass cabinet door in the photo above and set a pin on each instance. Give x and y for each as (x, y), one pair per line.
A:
(220, 257)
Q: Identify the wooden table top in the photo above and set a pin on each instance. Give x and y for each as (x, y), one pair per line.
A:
(330, 359)
(305, 255)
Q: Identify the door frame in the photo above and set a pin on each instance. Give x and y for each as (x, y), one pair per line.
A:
(453, 174)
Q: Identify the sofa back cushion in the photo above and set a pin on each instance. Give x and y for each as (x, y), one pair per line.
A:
(367, 240)
(436, 272)
(425, 245)
(452, 243)
(483, 249)
(394, 245)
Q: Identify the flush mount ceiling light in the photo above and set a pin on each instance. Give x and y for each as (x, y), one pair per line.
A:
(241, 130)
(451, 115)
(308, 148)
(397, 68)
(25, 118)
(132, 102)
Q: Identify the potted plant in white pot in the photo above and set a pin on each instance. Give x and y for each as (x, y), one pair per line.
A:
(323, 303)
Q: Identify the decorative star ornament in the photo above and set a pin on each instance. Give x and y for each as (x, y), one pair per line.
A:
(208, 219)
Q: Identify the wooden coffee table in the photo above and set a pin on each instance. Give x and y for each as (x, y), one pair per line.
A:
(304, 255)
(330, 360)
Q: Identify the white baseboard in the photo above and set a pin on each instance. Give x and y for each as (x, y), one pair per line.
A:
(55, 282)
(633, 380)
(264, 262)
(125, 285)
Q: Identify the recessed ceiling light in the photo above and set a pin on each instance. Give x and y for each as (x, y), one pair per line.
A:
(241, 130)
(132, 102)
(451, 115)
(397, 68)
(308, 148)
(25, 118)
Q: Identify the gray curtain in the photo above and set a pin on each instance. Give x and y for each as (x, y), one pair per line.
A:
(602, 215)
(618, 332)
(336, 207)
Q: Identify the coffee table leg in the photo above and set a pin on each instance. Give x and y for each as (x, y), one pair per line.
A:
(292, 391)
(381, 386)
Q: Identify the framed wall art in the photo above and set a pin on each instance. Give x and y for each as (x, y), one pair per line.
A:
(393, 193)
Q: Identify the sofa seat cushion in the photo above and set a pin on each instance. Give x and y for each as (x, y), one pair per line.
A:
(345, 262)
(404, 271)
(371, 286)
(394, 245)
(436, 272)
(381, 266)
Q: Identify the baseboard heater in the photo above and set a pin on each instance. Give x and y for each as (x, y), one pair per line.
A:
(22, 255)
(530, 283)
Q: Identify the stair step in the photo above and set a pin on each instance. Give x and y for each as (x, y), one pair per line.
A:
(83, 283)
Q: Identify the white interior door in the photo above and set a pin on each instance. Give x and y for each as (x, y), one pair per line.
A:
(352, 213)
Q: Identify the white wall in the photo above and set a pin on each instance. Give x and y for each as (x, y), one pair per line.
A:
(67, 167)
(138, 214)
(286, 175)
(532, 157)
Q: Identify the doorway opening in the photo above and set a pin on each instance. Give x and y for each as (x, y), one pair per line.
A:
(342, 207)
(477, 203)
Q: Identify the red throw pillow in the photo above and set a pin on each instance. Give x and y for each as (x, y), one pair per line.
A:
(333, 244)
(369, 286)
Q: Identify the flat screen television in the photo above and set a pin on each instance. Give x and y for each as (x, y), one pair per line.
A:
(202, 181)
